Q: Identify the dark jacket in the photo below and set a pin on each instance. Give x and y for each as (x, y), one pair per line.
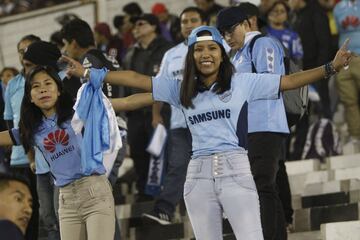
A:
(146, 61)
(150, 61)
(312, 25)
(9, 231)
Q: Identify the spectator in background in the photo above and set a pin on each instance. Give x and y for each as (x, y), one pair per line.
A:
(328, 6)
(264, 140)
(144, 57)
(210, 9)
(15, 206)
(56, 39)
(5, 76)
(105, 42)
(277, 19)
(7, 7)
(169, 24)
(132, 9)
(347, 16)
(310, 21)
(264, 7)
(123, 35)
(19, 161)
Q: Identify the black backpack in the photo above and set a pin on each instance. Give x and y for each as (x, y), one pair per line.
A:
(296, 100)
(322, 140)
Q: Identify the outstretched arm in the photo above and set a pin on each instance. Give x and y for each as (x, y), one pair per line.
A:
(132, 102)
(5, 139)
(123, 78)
(300, 79)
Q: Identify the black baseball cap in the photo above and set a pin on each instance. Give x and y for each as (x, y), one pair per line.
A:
(252, 10)
(150, 18)
(230, 16)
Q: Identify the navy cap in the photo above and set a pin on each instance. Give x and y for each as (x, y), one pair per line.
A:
(230, 16)
(214, 35)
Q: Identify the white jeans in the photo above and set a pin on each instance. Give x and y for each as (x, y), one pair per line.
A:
(222, 183)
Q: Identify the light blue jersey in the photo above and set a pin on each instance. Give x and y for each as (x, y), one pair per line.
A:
(13, 97)
(60, 147)
(267, 55)
(347, 17)
(215, 120)
(172, 67)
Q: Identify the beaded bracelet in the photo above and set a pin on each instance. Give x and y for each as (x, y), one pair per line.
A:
(329, 70)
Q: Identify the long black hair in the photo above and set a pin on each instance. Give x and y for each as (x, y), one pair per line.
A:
(192, 82)
(31, 115)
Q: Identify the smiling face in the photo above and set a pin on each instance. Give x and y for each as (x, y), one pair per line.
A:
(16, 204)
(44, 93)
(208, 57)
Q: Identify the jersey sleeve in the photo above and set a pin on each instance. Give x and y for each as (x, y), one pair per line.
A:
(15, 136)
(259, 86)
(166, 90)
(8, 111)
(267, 55)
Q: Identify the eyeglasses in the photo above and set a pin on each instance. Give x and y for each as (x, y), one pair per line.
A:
(139, 24)
(229, 31)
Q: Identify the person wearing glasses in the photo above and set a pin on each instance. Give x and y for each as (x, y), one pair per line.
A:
(267, 128)
(144, 57)
(212, 95)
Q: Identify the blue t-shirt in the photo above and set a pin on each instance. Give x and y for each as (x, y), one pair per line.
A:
(172, 67)
(347, 18)
(60, 147)
(215, 120)
(13, 97)
(289, 39)
(267, 55)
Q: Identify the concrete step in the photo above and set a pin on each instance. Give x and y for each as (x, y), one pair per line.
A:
(343, 161)
(345, 173)
(298, 182)
(332, 187)
(330, 199)
(310, 219)
(181, 230)
(302, 166)
(314, 235)
(349, 230)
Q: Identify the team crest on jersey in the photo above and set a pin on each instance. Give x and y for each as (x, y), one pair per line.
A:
(226, 96)
(57, 137)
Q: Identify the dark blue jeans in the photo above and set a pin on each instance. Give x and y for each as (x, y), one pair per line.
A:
(48, 195)
(179, 153)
